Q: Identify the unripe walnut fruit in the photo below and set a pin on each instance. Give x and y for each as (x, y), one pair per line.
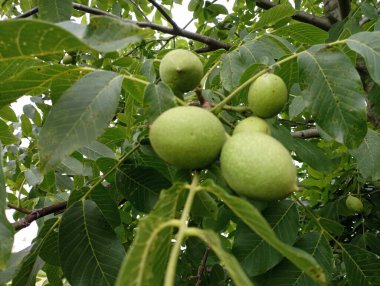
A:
(67, 59)
(252, 124)
(257, 166)
(187, 137)
(267, 95)
(181, 70)
(354, 204)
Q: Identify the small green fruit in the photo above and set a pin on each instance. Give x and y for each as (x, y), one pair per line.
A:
(187, 137)
(181, 70)
(67, 59)
(257, 166)
(354, 204)
(267, 95)
(252, 124)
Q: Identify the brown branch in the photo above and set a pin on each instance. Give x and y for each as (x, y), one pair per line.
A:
(320, 22)
(21, 210)
(213, 43)
(36, 214)
(202, 267)
(308, 133)
(28, 13)
(163, 12)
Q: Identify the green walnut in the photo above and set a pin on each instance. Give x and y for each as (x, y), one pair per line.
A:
(257, 166)
(267, 95)
(252, 124)
(354, 204)
(181, 70)
(67, 59)
(187, 137)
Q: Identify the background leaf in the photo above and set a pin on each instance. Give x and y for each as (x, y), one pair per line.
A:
(95, 98)
(303, 33)
(367, 44)
(335, 95)
(274, 15)
(362, 266)
(368, 156)
(252, 218)
(141, 186)
(84, 233)
(6, 229)
(248, 246)
(287, 274)
(55, 10)
(157, 98)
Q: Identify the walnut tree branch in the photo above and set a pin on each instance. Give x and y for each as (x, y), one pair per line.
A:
(38, 213)
(163, 12)
(308, 133)
(320, 22)
(139, 9)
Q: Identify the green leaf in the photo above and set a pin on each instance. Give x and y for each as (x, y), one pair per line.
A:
(6, 135)
(146, 260)
(367, 44)
(264, 50)
(287, 274)
(6, 229)
(96, 150)
(362, 266)
(333, 91)
(157, 98)
(107, 34)
(49, 248)
(28, 37)
(33, 77)
(253, 218)
(72, 166)
(13, 265)
(55, 10)
(283, 218)
(89, 251)
(368, 156)
(302, 33)
(7, 113)
(33, 176)
(141, 186)
(76, 121)
(204, 205)
(229, 261)
(274, 15)
(32, 263)
(102, 197)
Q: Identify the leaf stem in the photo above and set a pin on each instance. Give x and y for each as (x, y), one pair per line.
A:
(172, 264)
(101, 178)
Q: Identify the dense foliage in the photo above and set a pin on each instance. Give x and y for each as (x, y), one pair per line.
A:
(78, 160)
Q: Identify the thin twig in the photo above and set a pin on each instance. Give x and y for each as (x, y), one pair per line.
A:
(21, 210)
(36, 214)
(139, 9)
(202, 267)
(320, 22)
(27, 13)
(308, 133)
(163, 12)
